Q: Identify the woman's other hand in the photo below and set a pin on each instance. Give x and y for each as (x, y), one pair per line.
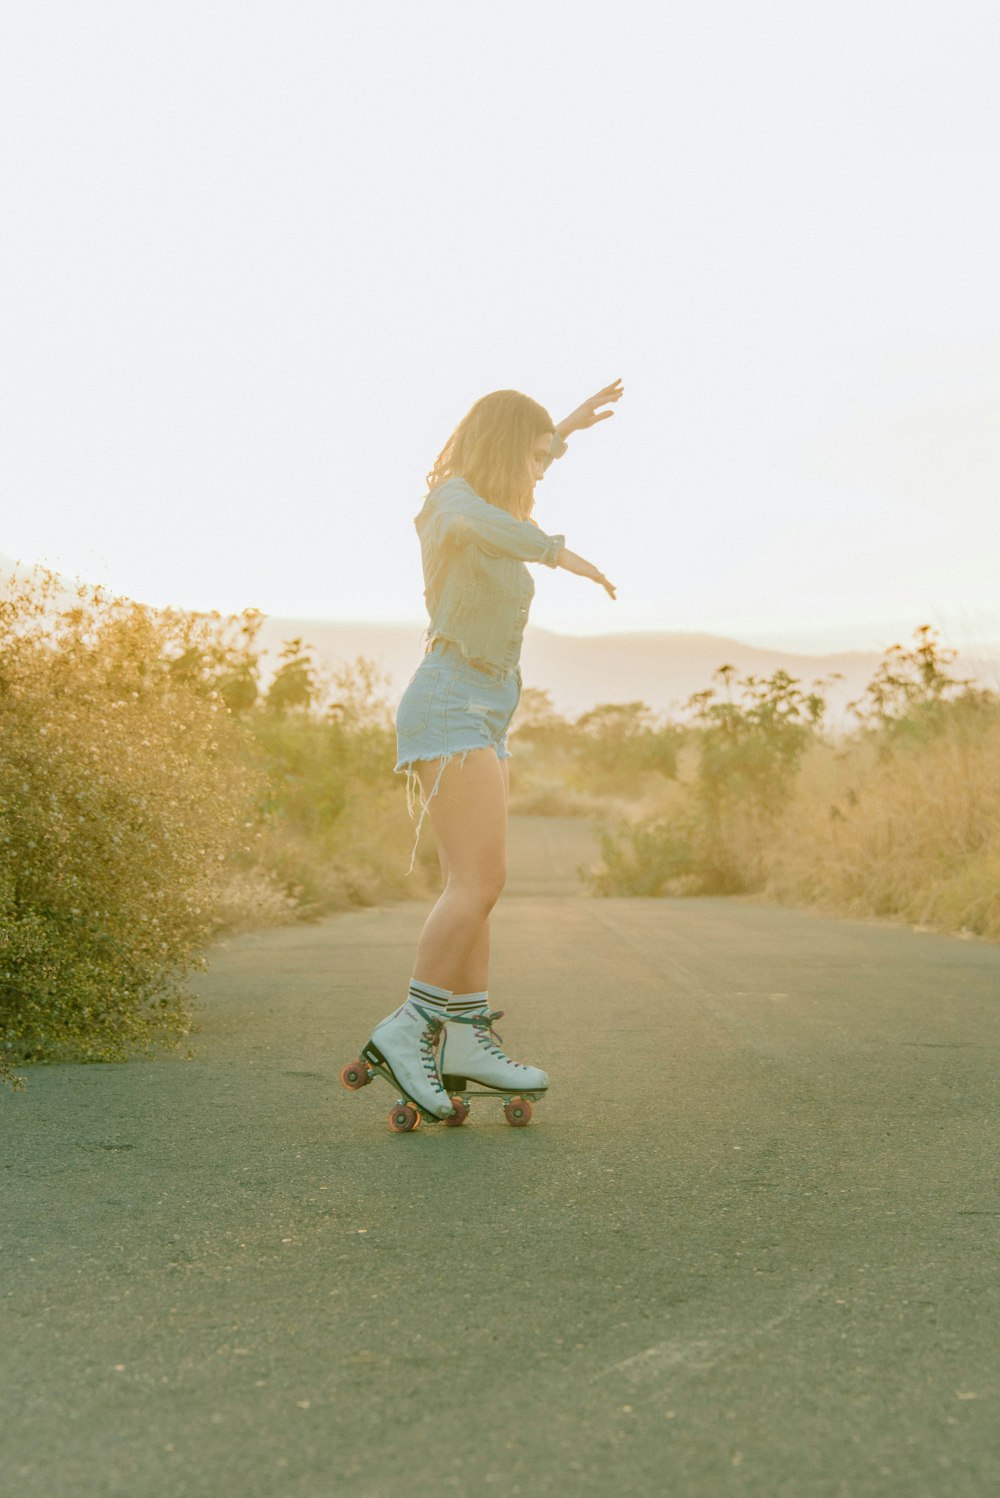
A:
(588, 414)
(570, 562)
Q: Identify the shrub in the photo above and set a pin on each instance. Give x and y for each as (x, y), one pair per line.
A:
(615, 755)
(912, 694)
(747, 749)
(151, 796)
(652, 856)
(124, 786)
(335, 831)
(623, 739)
(901, 817)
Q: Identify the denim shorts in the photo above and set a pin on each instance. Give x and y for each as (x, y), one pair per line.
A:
(451, 707)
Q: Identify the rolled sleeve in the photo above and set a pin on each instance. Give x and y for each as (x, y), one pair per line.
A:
(551, 554)
(464, 516)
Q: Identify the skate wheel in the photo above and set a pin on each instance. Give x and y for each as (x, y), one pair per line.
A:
(404, 1118)
(460, 1114)
(355, 1075)
(517, 1112)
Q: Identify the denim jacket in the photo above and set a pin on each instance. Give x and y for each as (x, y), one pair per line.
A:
(476, 586)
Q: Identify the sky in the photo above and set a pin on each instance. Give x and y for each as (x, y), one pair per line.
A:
(260, 258)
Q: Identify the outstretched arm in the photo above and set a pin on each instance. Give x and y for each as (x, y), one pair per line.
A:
(571, 562)
(587, 414)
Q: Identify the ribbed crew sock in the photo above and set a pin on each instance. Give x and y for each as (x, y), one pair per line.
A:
(429, 997)
(469, 1003)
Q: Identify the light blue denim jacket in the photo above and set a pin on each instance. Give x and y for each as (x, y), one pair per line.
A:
(476, 586)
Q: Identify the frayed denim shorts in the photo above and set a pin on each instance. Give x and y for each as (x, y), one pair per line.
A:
(451, 707)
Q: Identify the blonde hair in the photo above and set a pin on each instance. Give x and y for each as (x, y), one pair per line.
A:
(491, 449)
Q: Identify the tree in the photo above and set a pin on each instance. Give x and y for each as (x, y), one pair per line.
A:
(294, 682)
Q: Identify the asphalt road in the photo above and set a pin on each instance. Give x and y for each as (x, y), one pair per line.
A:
(748, 1245)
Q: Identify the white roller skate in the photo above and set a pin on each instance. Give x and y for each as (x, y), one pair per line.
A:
(470, 1052)
(403, 1050)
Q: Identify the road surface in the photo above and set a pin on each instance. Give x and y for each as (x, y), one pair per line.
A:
(748, 1246)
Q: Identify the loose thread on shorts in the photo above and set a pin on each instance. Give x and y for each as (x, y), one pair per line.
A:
(412, 783)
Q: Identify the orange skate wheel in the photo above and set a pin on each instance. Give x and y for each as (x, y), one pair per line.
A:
(517, 1112)
(460, 1114)
(355, 1075)
(403, 1118)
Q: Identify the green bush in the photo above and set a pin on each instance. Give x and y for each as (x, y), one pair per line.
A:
(623, 739)
(747, 749)
(912, 694)
(335, 829)
(153, 794)
(652, 856)
(125, 785)
(615, 755)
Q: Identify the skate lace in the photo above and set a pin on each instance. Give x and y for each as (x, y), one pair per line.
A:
(485, 1034)
(429, 1041)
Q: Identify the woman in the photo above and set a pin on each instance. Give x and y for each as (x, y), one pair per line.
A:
(476, 534)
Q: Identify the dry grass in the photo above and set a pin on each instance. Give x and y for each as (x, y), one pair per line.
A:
(900, 819)
(359, 860)
(914, 833)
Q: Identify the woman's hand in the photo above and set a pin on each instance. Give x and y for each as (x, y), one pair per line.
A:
(570, 562)
(587, 414)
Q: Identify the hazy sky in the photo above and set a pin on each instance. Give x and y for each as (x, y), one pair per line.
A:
(260, 258)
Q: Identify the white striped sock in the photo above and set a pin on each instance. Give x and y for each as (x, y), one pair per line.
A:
(429, 997)
(468, 1003)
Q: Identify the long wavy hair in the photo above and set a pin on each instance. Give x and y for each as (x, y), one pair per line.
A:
(491, 449)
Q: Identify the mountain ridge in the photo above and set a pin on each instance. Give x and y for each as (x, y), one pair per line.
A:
(662, 668)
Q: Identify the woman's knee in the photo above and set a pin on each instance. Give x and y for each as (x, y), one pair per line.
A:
(494, 887)
(480, 890)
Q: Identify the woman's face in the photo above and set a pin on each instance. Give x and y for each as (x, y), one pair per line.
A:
(540, 449)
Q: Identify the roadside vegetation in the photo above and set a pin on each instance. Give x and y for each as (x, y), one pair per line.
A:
(153, 794)
(157, 791)
(899, 816)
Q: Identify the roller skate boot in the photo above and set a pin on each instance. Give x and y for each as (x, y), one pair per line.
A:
(406, 1044)
(470, 1050)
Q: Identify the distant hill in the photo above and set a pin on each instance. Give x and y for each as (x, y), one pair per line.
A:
(660, 668)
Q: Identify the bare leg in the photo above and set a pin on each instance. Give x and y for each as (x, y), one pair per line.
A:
(478, 962)
(469, 818)
(453, 951)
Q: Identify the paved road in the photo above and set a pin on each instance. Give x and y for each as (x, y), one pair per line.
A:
(748, 1246)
